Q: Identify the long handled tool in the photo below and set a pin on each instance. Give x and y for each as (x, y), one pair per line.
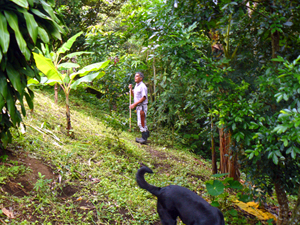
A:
(129, 110)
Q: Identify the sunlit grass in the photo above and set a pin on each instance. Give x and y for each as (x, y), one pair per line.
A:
(94, 163)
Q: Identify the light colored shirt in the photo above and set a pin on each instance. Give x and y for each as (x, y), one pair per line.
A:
(140, 90)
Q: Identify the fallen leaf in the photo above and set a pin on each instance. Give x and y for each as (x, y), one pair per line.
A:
(252, 208)
(8, 213)
(78, 199)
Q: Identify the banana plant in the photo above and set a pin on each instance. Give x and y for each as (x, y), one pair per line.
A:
(60, 70)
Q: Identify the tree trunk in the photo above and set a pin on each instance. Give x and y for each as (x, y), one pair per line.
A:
(283, 216)
(213, 150)
(295, 219)
(275, 43)
(228, 159)
(233, 166)
(55, 93)
(224, 151)
(69, 127)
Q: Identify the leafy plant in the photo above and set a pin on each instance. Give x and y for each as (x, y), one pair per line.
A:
(217, 189)
(42, 185)
(62, 73)
(23, 25)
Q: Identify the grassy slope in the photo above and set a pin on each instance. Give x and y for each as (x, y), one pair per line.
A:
(99, 170)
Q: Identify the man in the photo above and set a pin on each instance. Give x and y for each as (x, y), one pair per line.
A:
(140, 102)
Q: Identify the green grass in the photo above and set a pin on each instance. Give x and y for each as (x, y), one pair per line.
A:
(96, 171)
(94, 155)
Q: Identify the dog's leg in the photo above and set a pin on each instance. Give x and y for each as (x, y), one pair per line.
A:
(165, 217)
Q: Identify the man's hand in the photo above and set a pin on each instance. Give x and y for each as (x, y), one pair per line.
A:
(132, 106)
(130, 86)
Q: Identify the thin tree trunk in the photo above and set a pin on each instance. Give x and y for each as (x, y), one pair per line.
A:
(295, 219)
(154, 78)
(283, 216)
(275, 43)
(69, 127)
(55, 93)
(213, 150)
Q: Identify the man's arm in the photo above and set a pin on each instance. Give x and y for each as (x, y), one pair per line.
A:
(132, 106)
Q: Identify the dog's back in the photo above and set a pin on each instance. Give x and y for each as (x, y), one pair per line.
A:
(174, 201)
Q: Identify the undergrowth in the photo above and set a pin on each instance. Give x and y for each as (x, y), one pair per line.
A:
(94, 171)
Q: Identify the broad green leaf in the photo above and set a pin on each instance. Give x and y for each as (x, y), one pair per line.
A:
(13, 23)
(216, 188)
(71, 55)
(39, 14)
(43, 35)
(49, 10)
(235, 184)
(29, 100)
(275, 159)
(54, 30)
(3, 85)
(87, 78)
(51, 82)
(28, 71)
(15, 78)
(278, 59)
(4, 34)
(30, 2)
(11, 108)
(32, 81)
(67, 66)
(67, 46)
(32, 26)
(2, 102)
(46, 66)
(90, 68)
(22, 3)
(218, 175)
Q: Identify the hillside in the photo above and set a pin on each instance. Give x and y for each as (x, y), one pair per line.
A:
(50, 178)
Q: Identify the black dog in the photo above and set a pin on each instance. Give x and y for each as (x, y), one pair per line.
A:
(174, 201)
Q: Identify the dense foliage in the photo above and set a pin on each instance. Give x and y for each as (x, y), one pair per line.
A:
(23, 25)
(209, 67)
(221, 74)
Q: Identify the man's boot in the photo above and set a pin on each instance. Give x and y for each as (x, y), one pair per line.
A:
(142, 140)
(147, 133)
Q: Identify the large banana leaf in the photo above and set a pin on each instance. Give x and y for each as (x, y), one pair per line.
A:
(90, 68)
(4, 34)
(46, 66)
(67, 46)
(75, 54)
(87, 78)
(12, 20)
(67, 65)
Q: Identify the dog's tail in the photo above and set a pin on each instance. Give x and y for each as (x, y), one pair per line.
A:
(143, 184)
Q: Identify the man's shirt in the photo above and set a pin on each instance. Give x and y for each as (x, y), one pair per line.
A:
(139, 91)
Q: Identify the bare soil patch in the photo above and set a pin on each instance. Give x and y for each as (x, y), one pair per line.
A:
(23, 185)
